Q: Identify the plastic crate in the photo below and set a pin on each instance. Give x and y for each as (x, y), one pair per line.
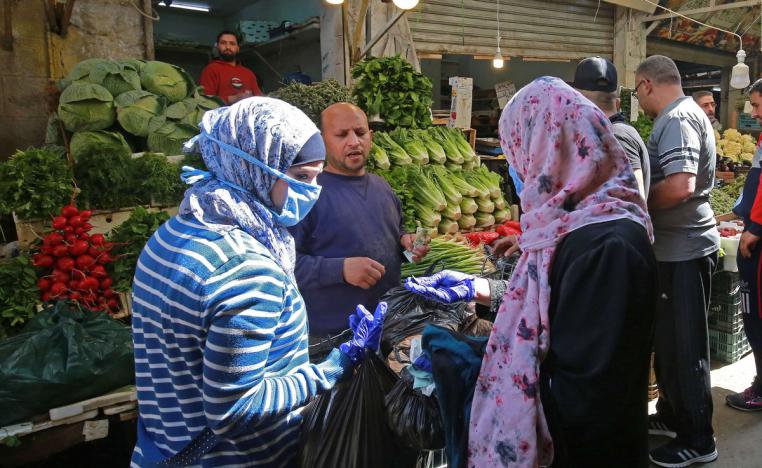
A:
(726, 313)
(728, 347)
(725, 282)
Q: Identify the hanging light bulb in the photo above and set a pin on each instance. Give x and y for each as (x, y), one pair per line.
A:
(334, 2)
(405, 4)
(739, 79)
(498, 61)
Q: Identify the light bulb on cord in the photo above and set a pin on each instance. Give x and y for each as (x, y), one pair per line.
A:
(334, 2)
(739, 79)
(405, 4)
(497, 61)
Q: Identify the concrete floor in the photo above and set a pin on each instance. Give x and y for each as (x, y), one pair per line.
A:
(739, 434)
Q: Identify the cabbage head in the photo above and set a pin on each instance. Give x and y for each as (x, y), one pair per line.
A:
(166, 80)
(116, 77)
(86, 106)
(100, 143)
(140, 112)
(170, 138)
(191, 110)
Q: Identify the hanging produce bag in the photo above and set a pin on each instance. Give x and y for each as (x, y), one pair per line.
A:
(62, 356)
(413, 416)
(347, 427)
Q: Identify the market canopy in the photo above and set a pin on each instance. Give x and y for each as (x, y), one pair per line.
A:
(741, 17)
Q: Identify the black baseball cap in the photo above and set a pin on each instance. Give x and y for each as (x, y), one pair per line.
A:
(595, 74)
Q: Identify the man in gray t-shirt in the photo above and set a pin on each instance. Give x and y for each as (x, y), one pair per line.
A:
(682, 142)
(682, 153)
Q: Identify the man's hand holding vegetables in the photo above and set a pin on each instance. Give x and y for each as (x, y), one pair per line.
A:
(349, 247)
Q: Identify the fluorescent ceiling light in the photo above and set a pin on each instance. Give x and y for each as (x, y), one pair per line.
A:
(716, 89)
(188, 6)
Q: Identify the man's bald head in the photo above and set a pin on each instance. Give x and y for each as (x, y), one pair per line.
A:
(347, 138)
(339, 110)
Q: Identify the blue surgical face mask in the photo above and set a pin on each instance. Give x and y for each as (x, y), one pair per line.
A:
(517, 182)
(301, 196)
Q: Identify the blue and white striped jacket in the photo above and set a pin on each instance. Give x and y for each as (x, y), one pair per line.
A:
(220, 334)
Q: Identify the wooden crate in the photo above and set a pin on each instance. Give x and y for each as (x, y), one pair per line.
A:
(103, 221)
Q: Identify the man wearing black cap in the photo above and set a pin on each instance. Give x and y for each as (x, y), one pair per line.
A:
(596, 79)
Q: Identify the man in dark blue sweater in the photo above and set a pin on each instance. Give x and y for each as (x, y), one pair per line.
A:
(349, 247)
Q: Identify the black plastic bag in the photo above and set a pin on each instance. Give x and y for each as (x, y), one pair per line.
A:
(62, 356)
(408, 313)
(413, 416)
(347, 426)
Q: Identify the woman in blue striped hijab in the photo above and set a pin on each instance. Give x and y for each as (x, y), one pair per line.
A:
(220, 329)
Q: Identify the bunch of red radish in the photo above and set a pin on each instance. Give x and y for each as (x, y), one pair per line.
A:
(73, 263)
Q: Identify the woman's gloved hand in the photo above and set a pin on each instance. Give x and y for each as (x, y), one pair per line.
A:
(366, 329)
(446, 287)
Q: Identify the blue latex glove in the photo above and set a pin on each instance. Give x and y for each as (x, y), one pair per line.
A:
(446, 287)
(366, 330)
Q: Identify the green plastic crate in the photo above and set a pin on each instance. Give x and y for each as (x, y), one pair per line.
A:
(728, 347)
(726, 311)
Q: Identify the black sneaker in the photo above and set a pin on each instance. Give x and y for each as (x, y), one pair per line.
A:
(676, 454)
(748, 400)
(658, 427)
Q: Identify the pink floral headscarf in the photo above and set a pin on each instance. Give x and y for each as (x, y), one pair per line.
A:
(575, 174)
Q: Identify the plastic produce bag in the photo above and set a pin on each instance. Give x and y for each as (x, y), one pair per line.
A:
(347, 426)
(409, 313)
(413, 416)
(62, 356)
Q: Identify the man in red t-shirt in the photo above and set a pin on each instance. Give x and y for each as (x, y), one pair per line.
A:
(225, 77)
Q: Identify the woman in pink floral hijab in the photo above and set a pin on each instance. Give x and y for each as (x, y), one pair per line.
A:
(565, 369)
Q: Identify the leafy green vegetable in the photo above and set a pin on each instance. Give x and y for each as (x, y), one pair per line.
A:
(104, 174)
(140, 112)
(18, 294)
(166, 80)
(484, 220)
(398, 179)
(34, 183)
(397, 155)
(86, 106)
(378, 157)
(116, 77)
(436, 152)
(448, 226)
(170, 138)
(644, 126)
(191, 110)
(313, 99)
(130, 237)
(467, 221)
(442, 178)
(502, 215)
(414, 148)
(468, 206)
(157, 180)
(455, 255)
(97, 143)
(392, 89)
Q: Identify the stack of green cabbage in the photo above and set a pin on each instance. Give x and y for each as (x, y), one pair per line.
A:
(146, 106)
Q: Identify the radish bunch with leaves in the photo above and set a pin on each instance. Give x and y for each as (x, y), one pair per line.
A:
(72, 263)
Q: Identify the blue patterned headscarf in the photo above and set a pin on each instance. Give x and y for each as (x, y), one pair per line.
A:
(271, 131)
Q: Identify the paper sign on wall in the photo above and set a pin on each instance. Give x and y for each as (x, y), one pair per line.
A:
(462, 97)
(634, 109)
(505, 92)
